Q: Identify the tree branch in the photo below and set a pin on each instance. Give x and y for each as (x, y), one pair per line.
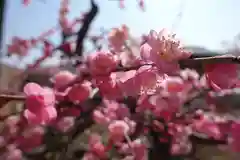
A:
(88, 19)
(214, 59)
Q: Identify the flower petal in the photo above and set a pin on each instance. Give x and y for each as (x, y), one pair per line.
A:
(32, 88)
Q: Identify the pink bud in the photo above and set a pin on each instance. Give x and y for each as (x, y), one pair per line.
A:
(65, 124)
(99, 117)
(79, 93)
(102, 63)
(62, 78)
(117, 130)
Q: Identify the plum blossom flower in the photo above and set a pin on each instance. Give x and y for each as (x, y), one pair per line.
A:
(96, 147)
(137, 147)
(39, 104)
(90, 156)
(32, 138)
(235, 137)
(160, 106)
(164, 50)
(108, 86)
(19, 47)
(62, 78)
(13, 153)
(79, 92)
(221, 76)
(117, 130)
(100, 118)
(208, 127)
(64, 124)
(102, 63)
(11, 127)
(180, 142)
(141, 81)
(117, 37)
(173, 85)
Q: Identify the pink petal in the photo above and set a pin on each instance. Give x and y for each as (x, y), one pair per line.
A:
(51, 113)
(34, 103)
(49, 96)
(32, 88)
(32, 118)
(44, 116)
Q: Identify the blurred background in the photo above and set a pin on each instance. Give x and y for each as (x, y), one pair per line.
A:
(206, 27)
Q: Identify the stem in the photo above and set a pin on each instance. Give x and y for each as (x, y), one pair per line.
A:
(2, 14)
(12, 97)
(215, 59)
(85, 27)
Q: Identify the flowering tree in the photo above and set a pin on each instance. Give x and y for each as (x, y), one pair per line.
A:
(144, 103)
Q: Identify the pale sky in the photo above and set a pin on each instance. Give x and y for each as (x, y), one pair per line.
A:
(205, 22)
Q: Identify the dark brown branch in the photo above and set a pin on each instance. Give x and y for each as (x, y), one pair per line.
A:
(88, 19)
(196, 138)
(215, 59)
(12, 97)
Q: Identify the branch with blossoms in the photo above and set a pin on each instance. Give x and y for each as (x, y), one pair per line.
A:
(123, 116)
(21, 47)
(144, 104)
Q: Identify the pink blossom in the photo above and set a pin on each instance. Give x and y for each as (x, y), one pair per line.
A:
(163, 107)
(79, 92)
(159, 87)
(90, 156)
(44, 116)
(144, 80)
(180, 142)
(100, 118)
(26, 2)
(117, 37)
(221, 76)
(173, 85)
(189, 75)
(18, 47)
(139, 150)
(102, 63)
(122, 111)
(108, 86)
(99, 150)
(163, 50)
(11, 126)
(62, 78)
(117, 130)
(64, 124)
(208, 127)
(96, 146)
(39, 104)
(128, 59)
(235, 142)
(94, 138)
(13, 154)
(32, 138)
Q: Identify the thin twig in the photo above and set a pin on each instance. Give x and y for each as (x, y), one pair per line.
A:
(88, 19)
(215, 59)
(12, 97)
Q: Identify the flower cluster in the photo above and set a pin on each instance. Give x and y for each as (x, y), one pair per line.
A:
(141, 103)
